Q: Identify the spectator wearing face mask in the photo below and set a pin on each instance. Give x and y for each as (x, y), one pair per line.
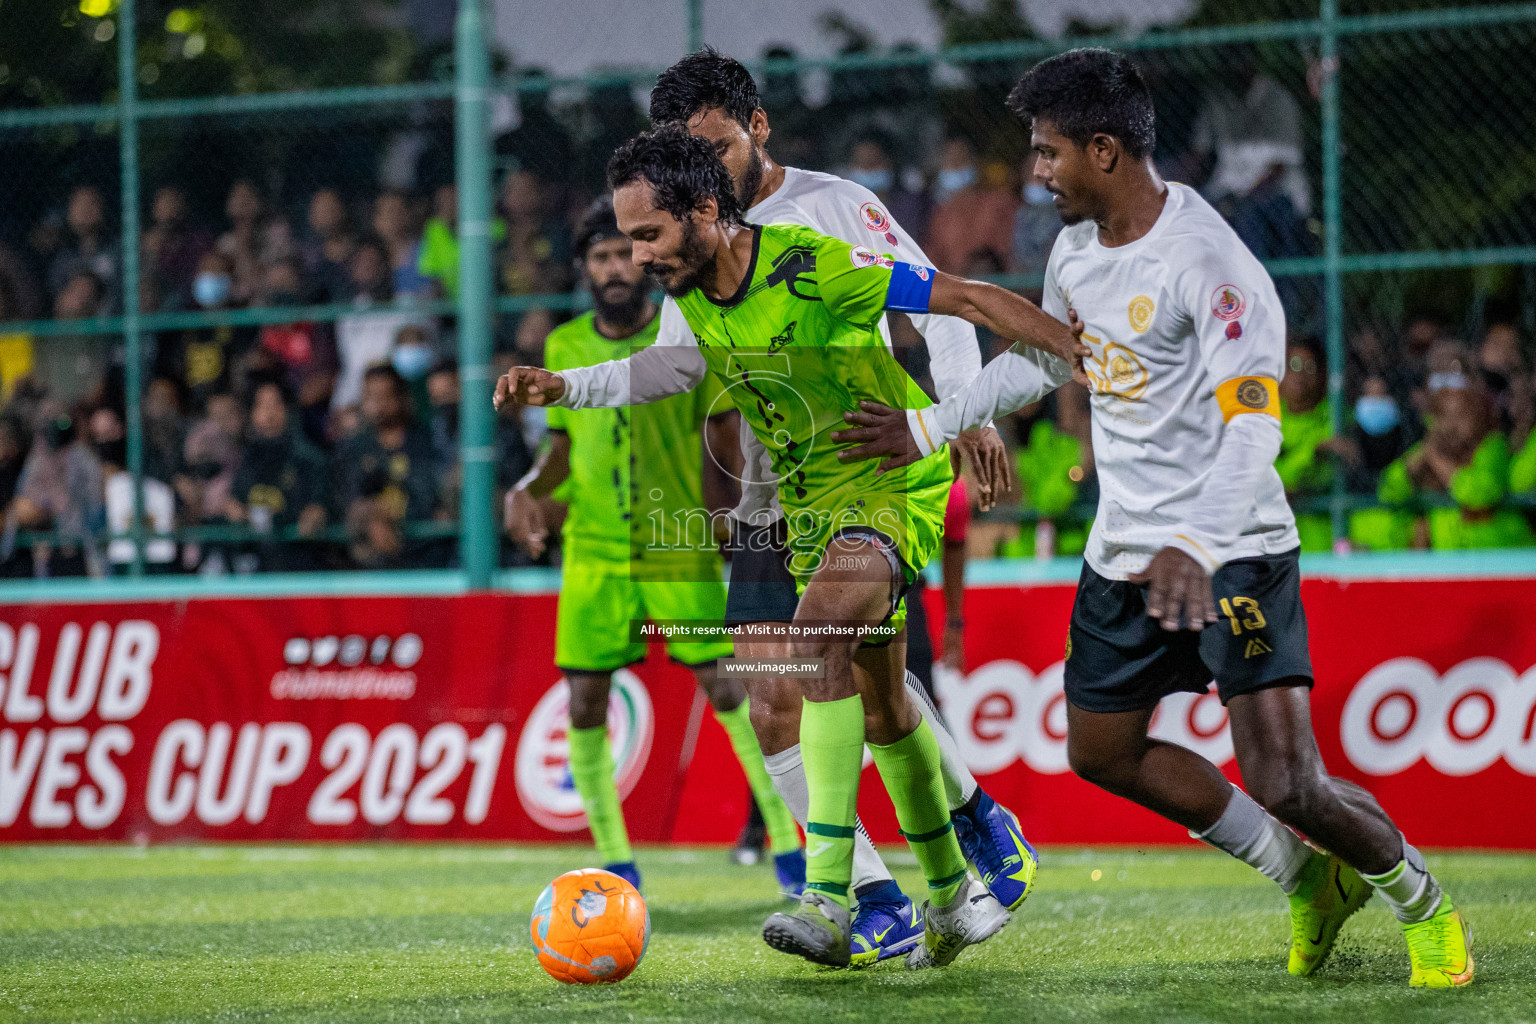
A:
(1462, 459)
(973, 209)
(203, 359)
(327, 248)
(367, 338)
(1501, 367)
(1035, 226)
(91, 246)
(385, 475)
(281, 480)
(242, 242)
(870, 165)
(60, 490)
(397, 223)
(109, 441)
(73, 366)
(301, 347)
(174, 246)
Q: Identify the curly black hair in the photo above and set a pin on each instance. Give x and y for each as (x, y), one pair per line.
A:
(702, 81)
(682, 169)
(1088, 91)
(596, 224)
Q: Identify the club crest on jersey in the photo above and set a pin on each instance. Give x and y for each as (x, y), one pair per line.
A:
(863, 257)
(876, 220)
(1140, 313)
(1227, 302)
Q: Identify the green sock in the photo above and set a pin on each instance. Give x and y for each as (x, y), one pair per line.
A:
(832, 749)
(592, 771)
(910, 770)
(783, 833)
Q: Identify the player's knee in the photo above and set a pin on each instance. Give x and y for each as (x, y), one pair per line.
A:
(1105, 768)
(589, 703)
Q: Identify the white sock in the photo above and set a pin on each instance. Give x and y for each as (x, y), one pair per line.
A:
(1258, 839)
(1408, 887)
(959, 783)
(788, 774)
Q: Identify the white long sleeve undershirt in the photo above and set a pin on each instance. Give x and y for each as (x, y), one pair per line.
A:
(1250, 443)
(1017, 377)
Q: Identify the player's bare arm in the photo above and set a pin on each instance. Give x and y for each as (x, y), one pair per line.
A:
(523, 510)
(1178, 591)
(1009, 315)
(881, 432)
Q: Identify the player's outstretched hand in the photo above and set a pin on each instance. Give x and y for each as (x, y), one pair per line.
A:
(883, 431)
(529, 385)
(523, 517)
(984, 451)
(1178, 591)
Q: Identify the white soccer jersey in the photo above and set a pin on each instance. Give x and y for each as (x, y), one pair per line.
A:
(1187, 333)
(825, 203)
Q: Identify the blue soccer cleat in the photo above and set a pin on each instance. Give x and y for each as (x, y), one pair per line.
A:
(992, 840)
(626, 870)
(887, 925)
(790, 867)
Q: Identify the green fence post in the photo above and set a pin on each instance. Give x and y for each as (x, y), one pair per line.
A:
(133, 341)
(1333, 221)
(695, 25)
(472, 71)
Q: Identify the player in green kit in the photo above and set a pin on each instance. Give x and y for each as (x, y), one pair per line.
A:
(786, 319)
(633, 478)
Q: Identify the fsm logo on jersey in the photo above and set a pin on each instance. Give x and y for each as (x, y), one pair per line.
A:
(542, 769)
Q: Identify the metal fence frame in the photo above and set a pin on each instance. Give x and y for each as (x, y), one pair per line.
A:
(476, 303)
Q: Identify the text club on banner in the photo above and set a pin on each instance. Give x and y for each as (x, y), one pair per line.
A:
(444, 718)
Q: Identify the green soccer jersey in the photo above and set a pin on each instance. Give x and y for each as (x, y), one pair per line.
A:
(635, 487)
(797, 346)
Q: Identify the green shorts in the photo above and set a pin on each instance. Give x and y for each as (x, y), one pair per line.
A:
(600, 600)
(910, 521)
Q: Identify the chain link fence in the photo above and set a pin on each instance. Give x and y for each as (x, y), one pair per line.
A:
(290, 244)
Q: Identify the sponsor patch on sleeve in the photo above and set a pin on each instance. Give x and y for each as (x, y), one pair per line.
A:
(1228, 303)
(863, 257)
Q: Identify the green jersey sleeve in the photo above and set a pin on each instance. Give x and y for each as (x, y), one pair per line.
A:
(858, 285)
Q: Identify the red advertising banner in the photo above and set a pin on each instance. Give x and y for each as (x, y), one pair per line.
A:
(444, 718)
(314, 718)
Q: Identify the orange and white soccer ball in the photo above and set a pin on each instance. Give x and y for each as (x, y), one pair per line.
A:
(590, 926)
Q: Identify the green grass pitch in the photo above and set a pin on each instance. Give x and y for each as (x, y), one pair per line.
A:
(438, 933)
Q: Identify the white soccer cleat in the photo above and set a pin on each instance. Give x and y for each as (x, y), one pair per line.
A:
(975, 916)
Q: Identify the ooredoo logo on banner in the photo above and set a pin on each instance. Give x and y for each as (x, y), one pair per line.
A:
(1461, 723)
(1003, 712)
(542, 768)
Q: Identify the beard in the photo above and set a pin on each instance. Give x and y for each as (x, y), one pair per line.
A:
(692, 262)
(752, 180)
(621, 310)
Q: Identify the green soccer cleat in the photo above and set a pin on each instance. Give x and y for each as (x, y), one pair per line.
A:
(1327, 893)
(818, 930)
(1440, 949)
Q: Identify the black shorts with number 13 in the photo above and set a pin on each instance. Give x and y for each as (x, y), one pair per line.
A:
(1120, 659)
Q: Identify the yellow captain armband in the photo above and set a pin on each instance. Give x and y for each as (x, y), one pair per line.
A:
(1248, 394)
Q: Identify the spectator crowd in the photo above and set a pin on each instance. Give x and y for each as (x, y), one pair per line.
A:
(325, 444)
